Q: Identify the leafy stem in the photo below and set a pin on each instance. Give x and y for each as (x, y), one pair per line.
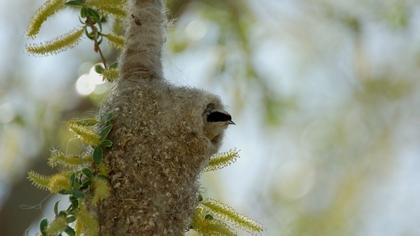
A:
(94, 23)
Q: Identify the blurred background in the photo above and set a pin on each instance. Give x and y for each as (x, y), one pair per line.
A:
(325, 95)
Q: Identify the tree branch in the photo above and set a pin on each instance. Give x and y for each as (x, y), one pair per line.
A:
(144, 39)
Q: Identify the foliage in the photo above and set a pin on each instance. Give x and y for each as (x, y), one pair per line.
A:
(225, 212)
(58, 158)
(62, 42)
(221, 160)
(82, 177)
(212, 217)
(206, 225)
(93, 14)
(48, 9)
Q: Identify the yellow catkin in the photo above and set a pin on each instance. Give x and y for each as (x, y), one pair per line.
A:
(221, 160)
(118, 26)
(59, 182)
(101, 190)
(39, 181)
(114, 9)
(58, 158)
(118, 12)
(66, 41)
(48, 9)
(227, 213)
(106, 2)
(103, 169)
(216, 227)
(84, 122)
(86, 223)
(57, 226)
(85, 134)
(209, 226)
(116, 41)
(110, 74)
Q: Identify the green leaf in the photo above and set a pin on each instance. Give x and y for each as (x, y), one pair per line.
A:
(97, 155)
(70, 231)
(106, 143)
(91, 13)
(107, 118)
(75, 3)
(87, 172)
(43, 226)
(73, 179)
(99, 69)
(105, 131)
(74, 201)
(56, 208)
(85, 185)
(64, 192)
(75, 183)
(71, 219)
(83, 13)
(94, 14)
(62, 213)
(78, 193)
(74, 204)
(114, 65)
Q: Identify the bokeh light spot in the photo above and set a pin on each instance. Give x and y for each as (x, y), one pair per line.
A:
(196, 30)
(7, 112)
(296, 179)
(86, 84)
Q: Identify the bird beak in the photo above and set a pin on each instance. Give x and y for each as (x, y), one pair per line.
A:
(231, 123)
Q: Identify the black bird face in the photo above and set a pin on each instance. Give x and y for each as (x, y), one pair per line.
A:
(218, 116)
(216, 121)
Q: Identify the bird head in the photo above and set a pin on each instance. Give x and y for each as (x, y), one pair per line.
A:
(216, 120)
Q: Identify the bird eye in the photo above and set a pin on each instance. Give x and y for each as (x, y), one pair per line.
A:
(217, 116)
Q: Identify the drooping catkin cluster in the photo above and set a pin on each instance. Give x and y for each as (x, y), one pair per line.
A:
(93, 13)
(59, 44)
(84, 178)
(48, 9)
(109, 6)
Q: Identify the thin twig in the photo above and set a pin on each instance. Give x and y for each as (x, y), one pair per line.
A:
(91, 23)
(98, 50)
